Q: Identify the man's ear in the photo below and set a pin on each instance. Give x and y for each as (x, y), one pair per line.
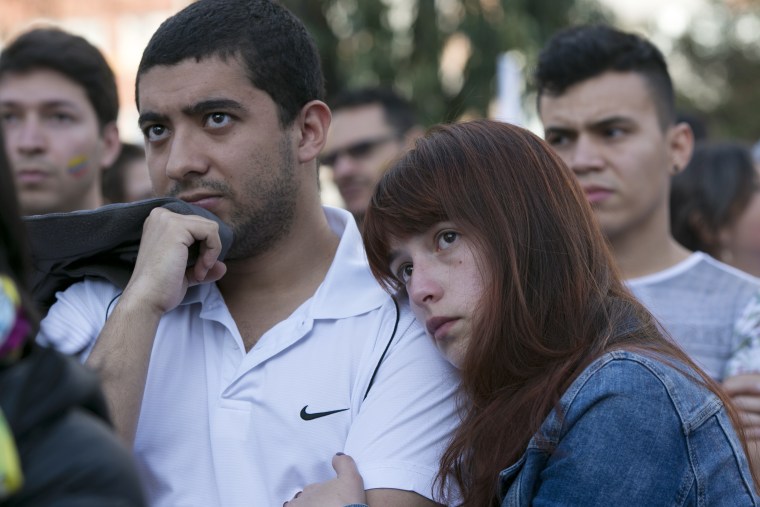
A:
(681, 145)
(111, 145)
(313, 123)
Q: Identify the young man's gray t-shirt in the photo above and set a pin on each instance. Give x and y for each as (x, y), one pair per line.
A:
(699, 302)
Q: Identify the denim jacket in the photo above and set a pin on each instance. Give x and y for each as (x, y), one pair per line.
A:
(635, 432)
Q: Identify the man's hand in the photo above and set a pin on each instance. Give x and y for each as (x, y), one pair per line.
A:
(347, 488)
(160, 277)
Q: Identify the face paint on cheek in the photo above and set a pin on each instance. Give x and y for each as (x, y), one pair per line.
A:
(78, 166)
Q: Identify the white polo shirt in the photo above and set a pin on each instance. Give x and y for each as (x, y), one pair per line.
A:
(222, 427)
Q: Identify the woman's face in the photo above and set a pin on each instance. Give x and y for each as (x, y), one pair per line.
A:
(445, 283)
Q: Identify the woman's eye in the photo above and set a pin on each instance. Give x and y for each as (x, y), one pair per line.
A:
(404, 273)
(446, 238)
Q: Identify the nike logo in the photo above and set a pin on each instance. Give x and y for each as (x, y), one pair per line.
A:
(316, 415)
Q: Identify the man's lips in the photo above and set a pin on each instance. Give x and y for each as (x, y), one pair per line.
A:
(31, 175)
(206, 201)
(439, 326)
(352, 189)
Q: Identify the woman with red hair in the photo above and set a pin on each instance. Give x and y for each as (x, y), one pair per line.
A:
(570, 393)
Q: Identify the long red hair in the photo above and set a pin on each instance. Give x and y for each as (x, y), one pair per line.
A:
(556, 301)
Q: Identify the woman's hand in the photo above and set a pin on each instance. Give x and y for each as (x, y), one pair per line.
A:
(347, 488)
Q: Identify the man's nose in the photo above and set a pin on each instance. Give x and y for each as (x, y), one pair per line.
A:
(29, 136)
(344, 165)
(586, 156)
(186, 156)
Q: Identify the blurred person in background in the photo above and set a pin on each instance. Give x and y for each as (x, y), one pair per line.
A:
(128, 179)
(606, 101)
(370, 128)
(58, 109)
(57, 447)
(715, 205)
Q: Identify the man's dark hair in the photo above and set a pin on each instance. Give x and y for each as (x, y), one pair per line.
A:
(277, 52)
(399, 112)
(71, 56)
(579, 53)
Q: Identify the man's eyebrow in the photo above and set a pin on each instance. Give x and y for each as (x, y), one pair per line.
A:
(211, 105)
(611, 120)
(151, 117)
(45, 104)
(202, 107)
(558, 130)
(551, 128)
(597, 124)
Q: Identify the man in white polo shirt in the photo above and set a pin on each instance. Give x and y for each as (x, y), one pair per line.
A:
(238, 381)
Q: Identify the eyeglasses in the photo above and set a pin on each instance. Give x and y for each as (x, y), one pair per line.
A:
(357, 150)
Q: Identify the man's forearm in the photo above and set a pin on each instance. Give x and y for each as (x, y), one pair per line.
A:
(121, 357)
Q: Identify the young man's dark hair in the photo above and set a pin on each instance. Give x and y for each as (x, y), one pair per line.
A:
(279, 55)
(70, 55)
(580, 53)
(399, 112)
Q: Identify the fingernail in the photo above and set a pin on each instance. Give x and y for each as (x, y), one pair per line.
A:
(339, 454)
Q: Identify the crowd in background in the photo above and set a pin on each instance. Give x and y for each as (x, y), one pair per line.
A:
(218, 333)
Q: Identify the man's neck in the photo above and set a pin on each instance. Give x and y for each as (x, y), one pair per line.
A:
(263, 291)
(302, 258)
(640, 256)
(93, 199)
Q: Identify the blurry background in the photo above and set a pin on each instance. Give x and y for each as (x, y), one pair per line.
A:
(460, 58)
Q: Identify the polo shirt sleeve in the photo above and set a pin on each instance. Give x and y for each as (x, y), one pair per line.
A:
(75, 320)
(408, 417)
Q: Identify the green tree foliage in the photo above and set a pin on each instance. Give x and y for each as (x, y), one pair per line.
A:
(402, 44)
(717, 69)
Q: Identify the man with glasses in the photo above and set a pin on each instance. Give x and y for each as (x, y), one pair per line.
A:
(370, 127)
